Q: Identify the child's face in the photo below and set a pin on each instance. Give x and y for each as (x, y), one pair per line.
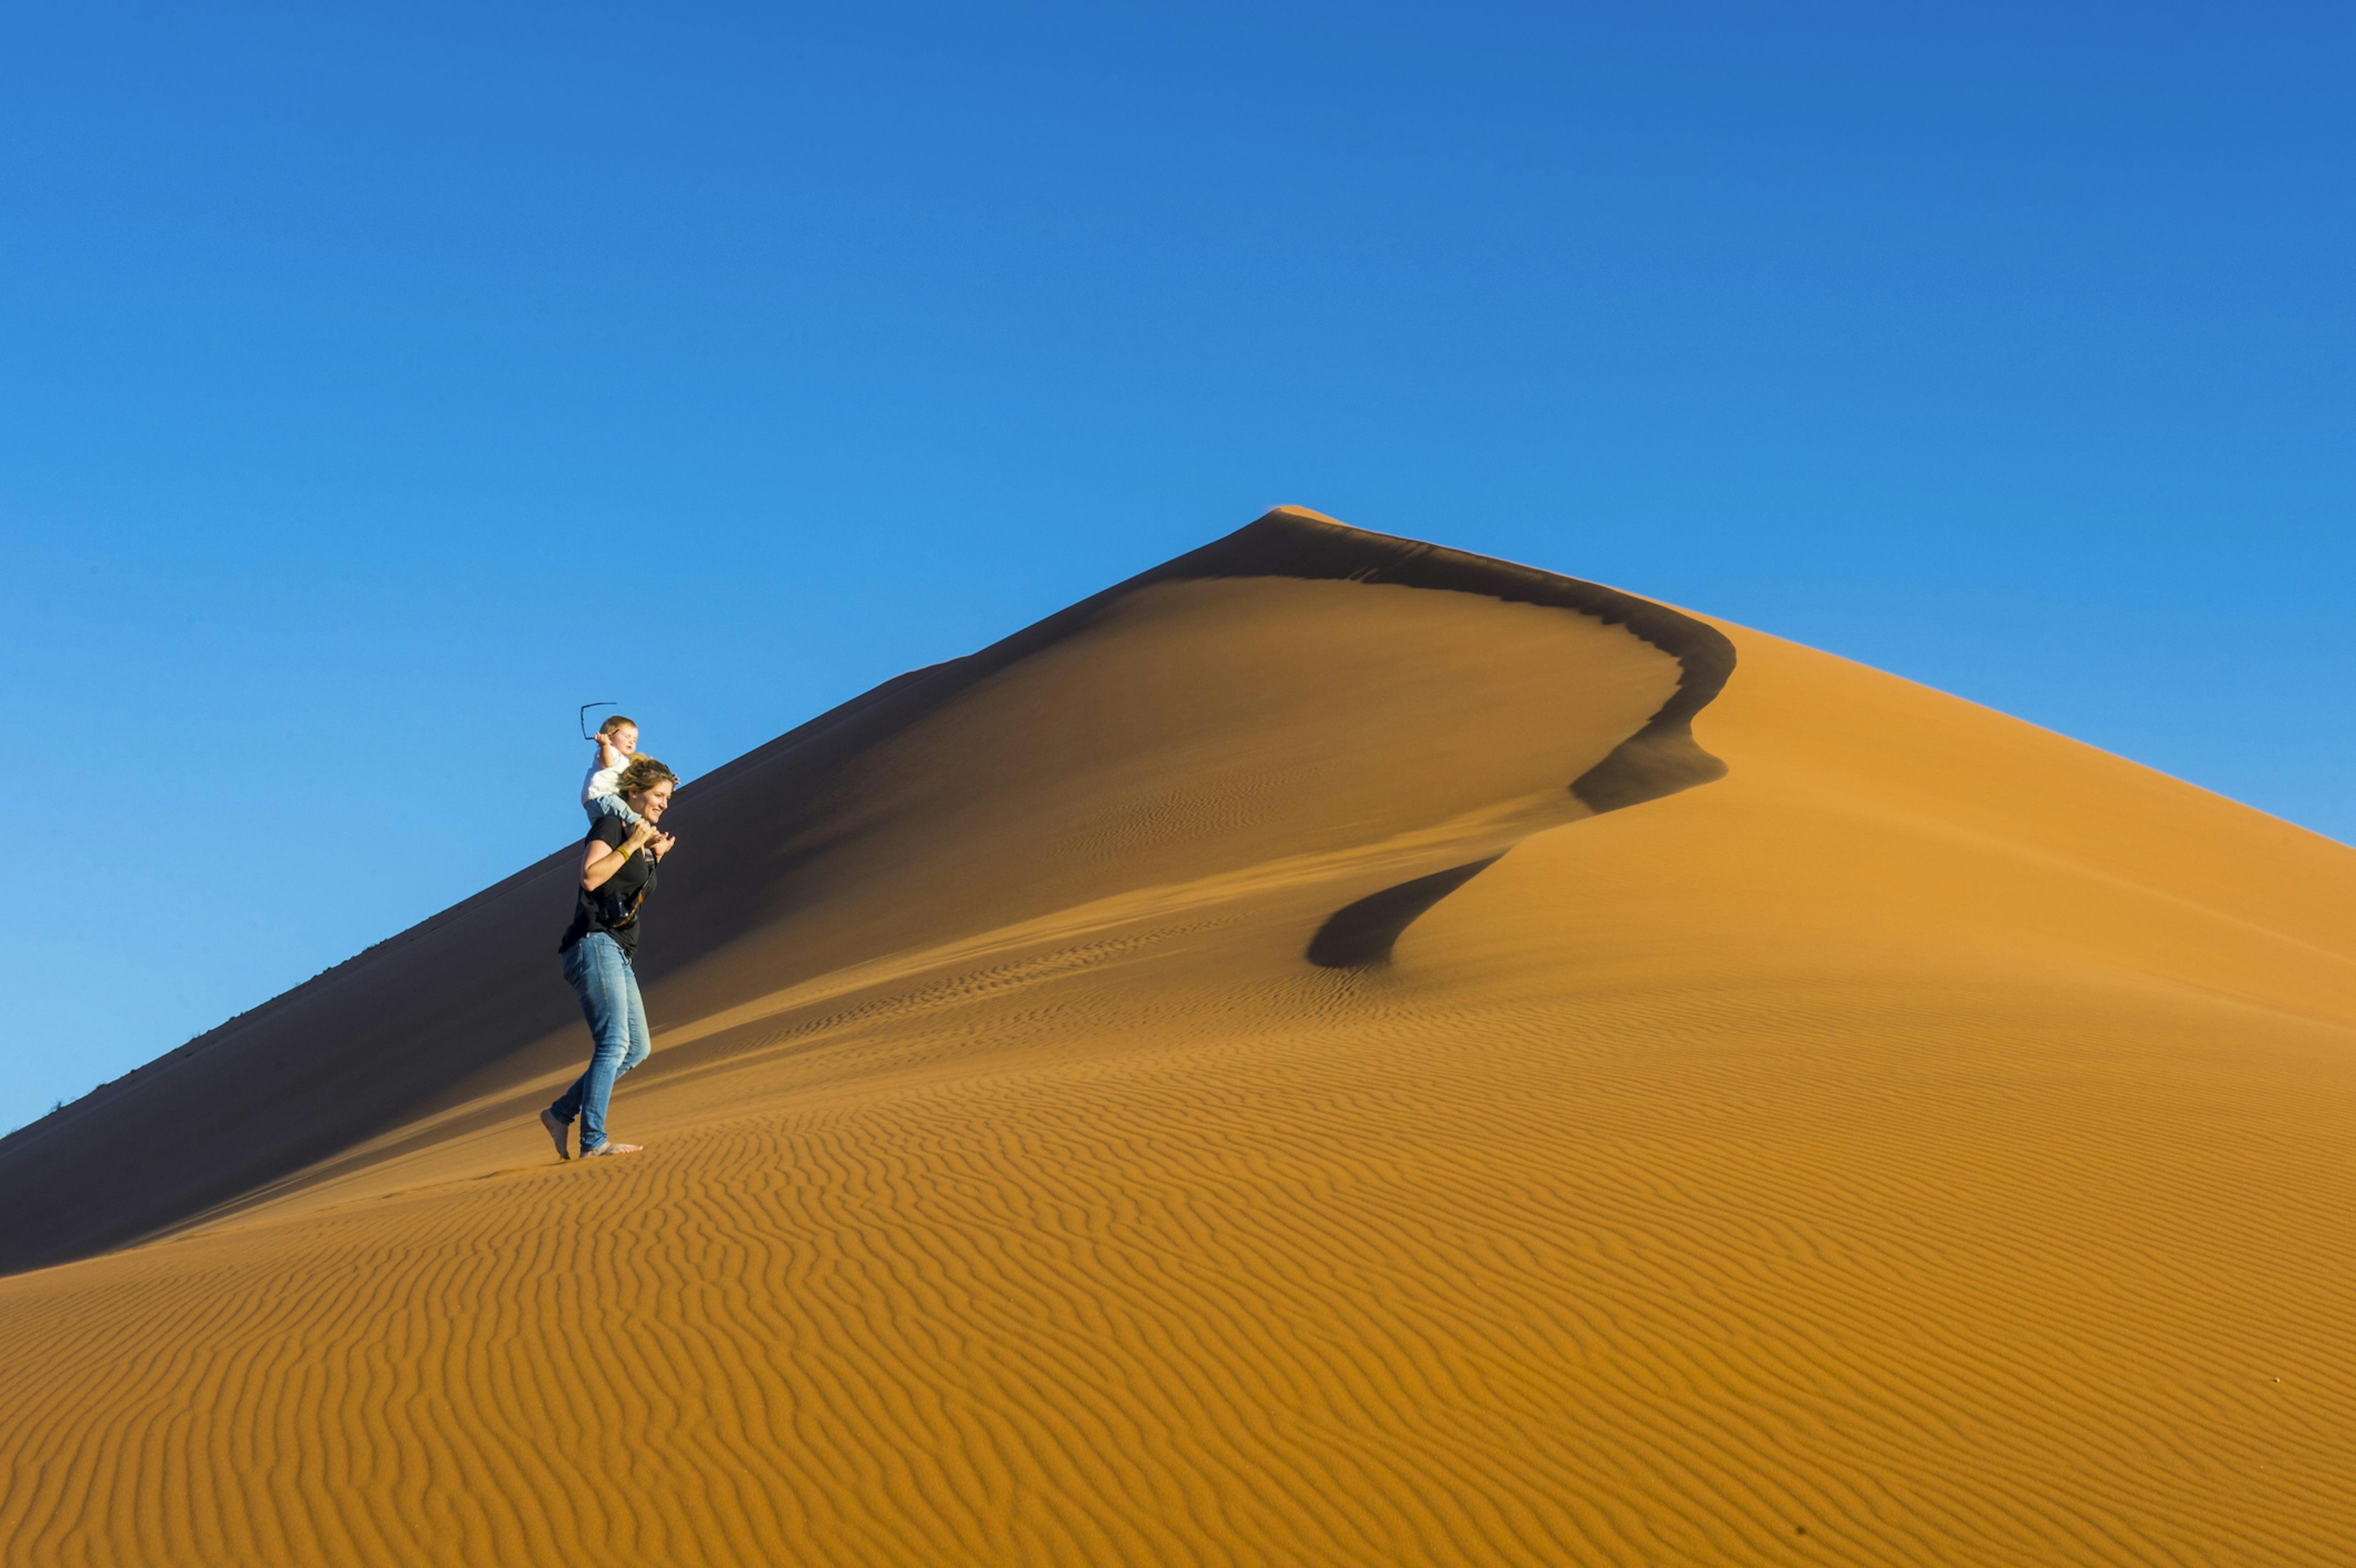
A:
(624, 740)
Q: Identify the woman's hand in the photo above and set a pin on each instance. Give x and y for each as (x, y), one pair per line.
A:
(659, 845)
(601, 860)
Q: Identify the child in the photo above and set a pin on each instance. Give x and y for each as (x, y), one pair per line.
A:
(616, 743)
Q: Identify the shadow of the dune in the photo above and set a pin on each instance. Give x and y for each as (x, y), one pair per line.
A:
(1360, 933)
(1660, 759)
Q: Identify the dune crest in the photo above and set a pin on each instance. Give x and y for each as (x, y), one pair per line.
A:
(1276, 1063)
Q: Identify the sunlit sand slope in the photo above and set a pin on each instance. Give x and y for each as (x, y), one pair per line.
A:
(1929, 1142)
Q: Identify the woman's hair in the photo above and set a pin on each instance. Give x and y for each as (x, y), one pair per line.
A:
(643, 773)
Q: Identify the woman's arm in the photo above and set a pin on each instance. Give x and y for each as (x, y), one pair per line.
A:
(600, 860)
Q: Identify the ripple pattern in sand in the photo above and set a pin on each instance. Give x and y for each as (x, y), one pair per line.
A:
(1654, 1280)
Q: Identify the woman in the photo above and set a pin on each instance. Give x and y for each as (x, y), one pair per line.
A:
(618, 872)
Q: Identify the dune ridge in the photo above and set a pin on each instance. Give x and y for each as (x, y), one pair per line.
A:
(1926, 1143)
(398, 1055)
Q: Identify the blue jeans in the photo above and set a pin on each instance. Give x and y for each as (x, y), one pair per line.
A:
(600, 971)
(598, 806)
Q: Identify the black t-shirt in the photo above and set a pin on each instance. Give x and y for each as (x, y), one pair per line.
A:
(614, 907)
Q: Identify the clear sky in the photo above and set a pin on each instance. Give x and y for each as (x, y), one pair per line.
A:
(378, 384)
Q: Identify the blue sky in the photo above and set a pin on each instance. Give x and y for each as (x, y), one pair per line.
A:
(377, 385)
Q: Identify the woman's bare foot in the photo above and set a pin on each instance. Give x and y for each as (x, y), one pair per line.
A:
(610, 1146)
(560, 1132)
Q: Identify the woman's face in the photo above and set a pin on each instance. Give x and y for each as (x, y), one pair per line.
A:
(652, 804)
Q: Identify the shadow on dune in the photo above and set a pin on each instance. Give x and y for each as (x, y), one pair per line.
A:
(1362, 932)
(470, 1001)
(1658, 760)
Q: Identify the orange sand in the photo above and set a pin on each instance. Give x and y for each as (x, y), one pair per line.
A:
(1929, 1143)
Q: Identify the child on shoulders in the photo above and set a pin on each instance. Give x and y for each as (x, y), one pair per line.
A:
(617, 741)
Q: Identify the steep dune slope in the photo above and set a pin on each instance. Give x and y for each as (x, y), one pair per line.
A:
(1928, 1142)
(1297, 688)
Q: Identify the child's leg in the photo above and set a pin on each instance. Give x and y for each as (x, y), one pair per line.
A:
(598, 806)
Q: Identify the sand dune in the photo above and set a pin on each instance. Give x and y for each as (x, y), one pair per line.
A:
(1333, 1051)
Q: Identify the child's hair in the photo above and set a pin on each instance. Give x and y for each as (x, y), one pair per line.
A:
(616, 721)
(644, 772)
